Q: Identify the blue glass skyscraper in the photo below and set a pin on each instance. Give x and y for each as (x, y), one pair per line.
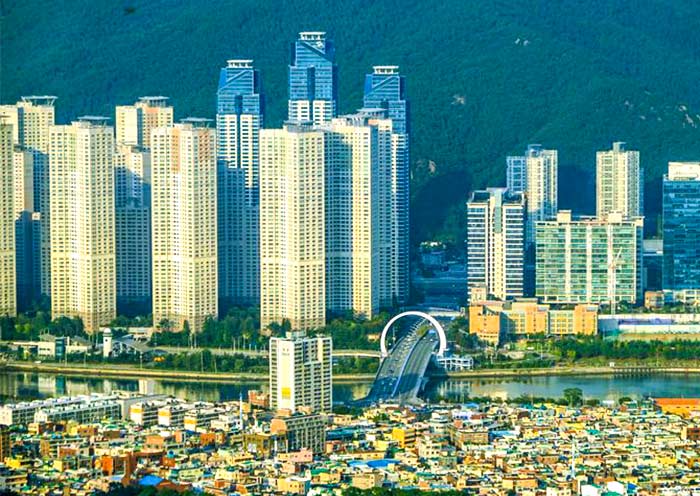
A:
(313, 79)
(681, 225)
(385, 89)
(239, 117)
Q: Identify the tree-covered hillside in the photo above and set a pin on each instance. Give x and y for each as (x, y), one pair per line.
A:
(485, 77)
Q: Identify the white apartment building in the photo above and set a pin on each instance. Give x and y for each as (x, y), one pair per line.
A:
(496, 243)
(292, 227)
(184, 224)
(31, 119)
(301, 373)
(535, 175)
(135, 122)
(82, 230)
(619, 182)
(8, 287)
(359, 250)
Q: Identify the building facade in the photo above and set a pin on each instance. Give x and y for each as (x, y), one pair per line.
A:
(495, 243)
(313, 79)
(31, 119)
(292, 227)
(135, 122)
(535, 175)
(681, 226)
(82, 227)
(239, 118)
(385, 89)
(496, 321)
(183, 164)
(26, 258)
(360, 274)
(132, 162)
(301, 373)
(619, 182)
(589, 260)
(132, 166)
(8, 283)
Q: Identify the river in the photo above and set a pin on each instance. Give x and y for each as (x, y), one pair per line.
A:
(18, 386)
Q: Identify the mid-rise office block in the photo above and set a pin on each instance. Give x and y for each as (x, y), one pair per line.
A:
(239, 117)
(133, 224)
(8, 288)
(495, 243)
(619, 182)
(360, 274)
(589, 260)
(535, 175)
(385, 89)
(313, 79)
(301, 370)
(183, 168)
(31, 119)
(82, 227)
(25, 256)
(135, 122)
(681, 226)
(495, 321)
(292, 227)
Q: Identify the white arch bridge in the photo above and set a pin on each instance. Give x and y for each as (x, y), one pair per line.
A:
(402, 369)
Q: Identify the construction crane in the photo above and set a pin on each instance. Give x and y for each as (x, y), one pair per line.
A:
(612, 280)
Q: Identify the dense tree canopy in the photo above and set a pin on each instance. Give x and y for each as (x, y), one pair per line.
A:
(484, 78)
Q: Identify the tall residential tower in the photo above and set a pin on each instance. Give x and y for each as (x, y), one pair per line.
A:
(385, 89)
(8, 289)
(183, 165)
(495, 243)
(132, 163)
(82, 221)
(31, 119)
(535, 175)
(619, 182)
(239, 118)
(292, 227)
(360, 274)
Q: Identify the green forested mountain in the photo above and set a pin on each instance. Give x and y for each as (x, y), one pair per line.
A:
(485, 77)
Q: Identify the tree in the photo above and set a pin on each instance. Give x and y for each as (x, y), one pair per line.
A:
(165, 325)
(573, 396)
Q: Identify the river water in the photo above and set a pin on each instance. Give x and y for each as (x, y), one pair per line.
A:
(17, 386)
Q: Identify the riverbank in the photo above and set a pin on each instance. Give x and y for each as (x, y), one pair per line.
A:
(129, 371)
(116, 371)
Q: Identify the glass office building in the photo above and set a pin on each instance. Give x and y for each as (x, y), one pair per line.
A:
(681, 226)
(589, 260)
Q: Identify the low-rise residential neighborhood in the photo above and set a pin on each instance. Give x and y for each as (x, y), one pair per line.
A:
(84, 445)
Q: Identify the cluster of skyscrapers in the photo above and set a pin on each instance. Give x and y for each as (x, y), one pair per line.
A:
(521, 244)
(305, 220)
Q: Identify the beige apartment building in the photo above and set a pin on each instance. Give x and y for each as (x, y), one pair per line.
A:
(292, 227)
(184, 253)
(8, 288)
(82, 227)
(31, 118)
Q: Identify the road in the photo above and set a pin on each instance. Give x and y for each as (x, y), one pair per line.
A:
(415, 368)
(263, 353)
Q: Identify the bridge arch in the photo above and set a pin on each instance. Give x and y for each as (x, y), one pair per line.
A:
(433, 321)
